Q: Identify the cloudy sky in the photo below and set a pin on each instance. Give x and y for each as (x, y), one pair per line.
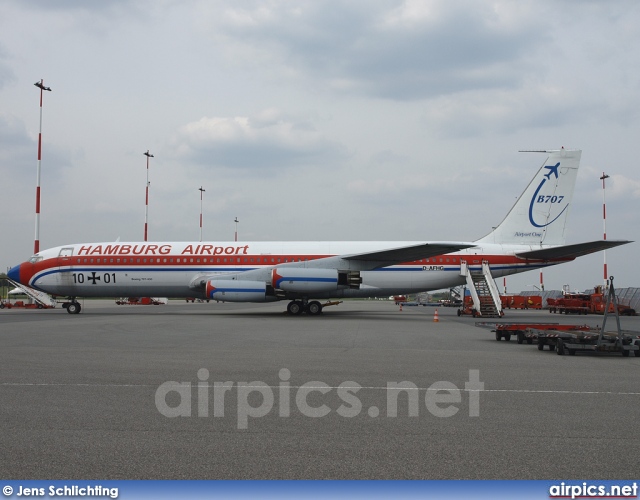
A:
(317, 120)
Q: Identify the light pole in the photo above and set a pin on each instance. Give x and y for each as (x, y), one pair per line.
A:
(146, 203)
(36, 245)
(604, 228)
(236, 221)
(201, 191)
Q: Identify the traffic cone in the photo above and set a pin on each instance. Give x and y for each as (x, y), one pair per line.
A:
(435, 317)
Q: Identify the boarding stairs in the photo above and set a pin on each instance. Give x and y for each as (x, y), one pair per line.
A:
(39, 297)
(483, 289)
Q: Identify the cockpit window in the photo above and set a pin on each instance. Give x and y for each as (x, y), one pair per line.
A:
(34, 259)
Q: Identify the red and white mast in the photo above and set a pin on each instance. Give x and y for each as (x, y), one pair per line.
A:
(146, 202)
(201, 191)
(604, 227)
(36, 245)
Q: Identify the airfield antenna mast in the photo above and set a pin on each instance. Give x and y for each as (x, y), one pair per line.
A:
(604, 227)
(36, 245)
(146, 203)
(201, 191)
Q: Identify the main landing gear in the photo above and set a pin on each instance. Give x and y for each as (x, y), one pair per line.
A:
(72, 307)
(312, 308)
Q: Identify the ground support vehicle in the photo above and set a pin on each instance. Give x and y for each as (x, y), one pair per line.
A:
(564, 342)
(138, 301)
(521, 301)
(526, 332)
(618, 341)
(576, 303)
(585, 303)
(20, 304)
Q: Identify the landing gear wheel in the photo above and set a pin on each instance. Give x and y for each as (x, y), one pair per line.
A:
(314, 308)
(73, 308)
(294, 307)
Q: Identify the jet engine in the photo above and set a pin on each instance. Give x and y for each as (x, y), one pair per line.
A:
(237, 291)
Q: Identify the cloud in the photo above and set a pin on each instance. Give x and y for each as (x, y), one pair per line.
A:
(411, 51)
(269, 140)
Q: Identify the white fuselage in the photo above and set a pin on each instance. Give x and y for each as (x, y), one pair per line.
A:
(168, 268)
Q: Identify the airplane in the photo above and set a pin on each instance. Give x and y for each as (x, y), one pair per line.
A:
(531, 236)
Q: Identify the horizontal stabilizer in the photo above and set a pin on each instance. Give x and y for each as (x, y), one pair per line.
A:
(410, 253)
(568, 251)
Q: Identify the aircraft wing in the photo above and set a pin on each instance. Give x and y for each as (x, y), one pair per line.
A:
(575, 250)
(410, 253)
(362, 261)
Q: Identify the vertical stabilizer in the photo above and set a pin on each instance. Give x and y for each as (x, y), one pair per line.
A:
(539, 217)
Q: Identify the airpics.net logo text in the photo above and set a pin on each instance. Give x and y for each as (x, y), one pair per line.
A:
(251, 400)
(587, 490)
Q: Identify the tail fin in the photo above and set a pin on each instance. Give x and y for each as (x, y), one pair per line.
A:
(539, 217)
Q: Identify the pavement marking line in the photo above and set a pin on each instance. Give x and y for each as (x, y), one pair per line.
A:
(426, 389)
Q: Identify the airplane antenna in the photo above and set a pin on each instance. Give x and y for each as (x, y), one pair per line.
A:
(36, 245)
(236, 221)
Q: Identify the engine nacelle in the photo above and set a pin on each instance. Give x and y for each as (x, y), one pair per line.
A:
(296, 279)
(237, 291)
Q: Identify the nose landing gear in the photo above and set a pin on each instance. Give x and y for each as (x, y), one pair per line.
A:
(72, 307)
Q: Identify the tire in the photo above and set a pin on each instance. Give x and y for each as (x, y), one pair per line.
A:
(540, 346)
(39, 306)
(529, 341)
(625, 353)
(459, 312)
(1, 306)
(507, 337)
(73, 308)
(560, 348)
(294, 308)
(552, 347)
(314, 308)
(520, 338)
(498, 336)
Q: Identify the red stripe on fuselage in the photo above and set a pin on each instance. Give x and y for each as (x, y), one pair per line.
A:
(28, 270)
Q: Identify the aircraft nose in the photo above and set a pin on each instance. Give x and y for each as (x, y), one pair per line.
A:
(14, 273)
